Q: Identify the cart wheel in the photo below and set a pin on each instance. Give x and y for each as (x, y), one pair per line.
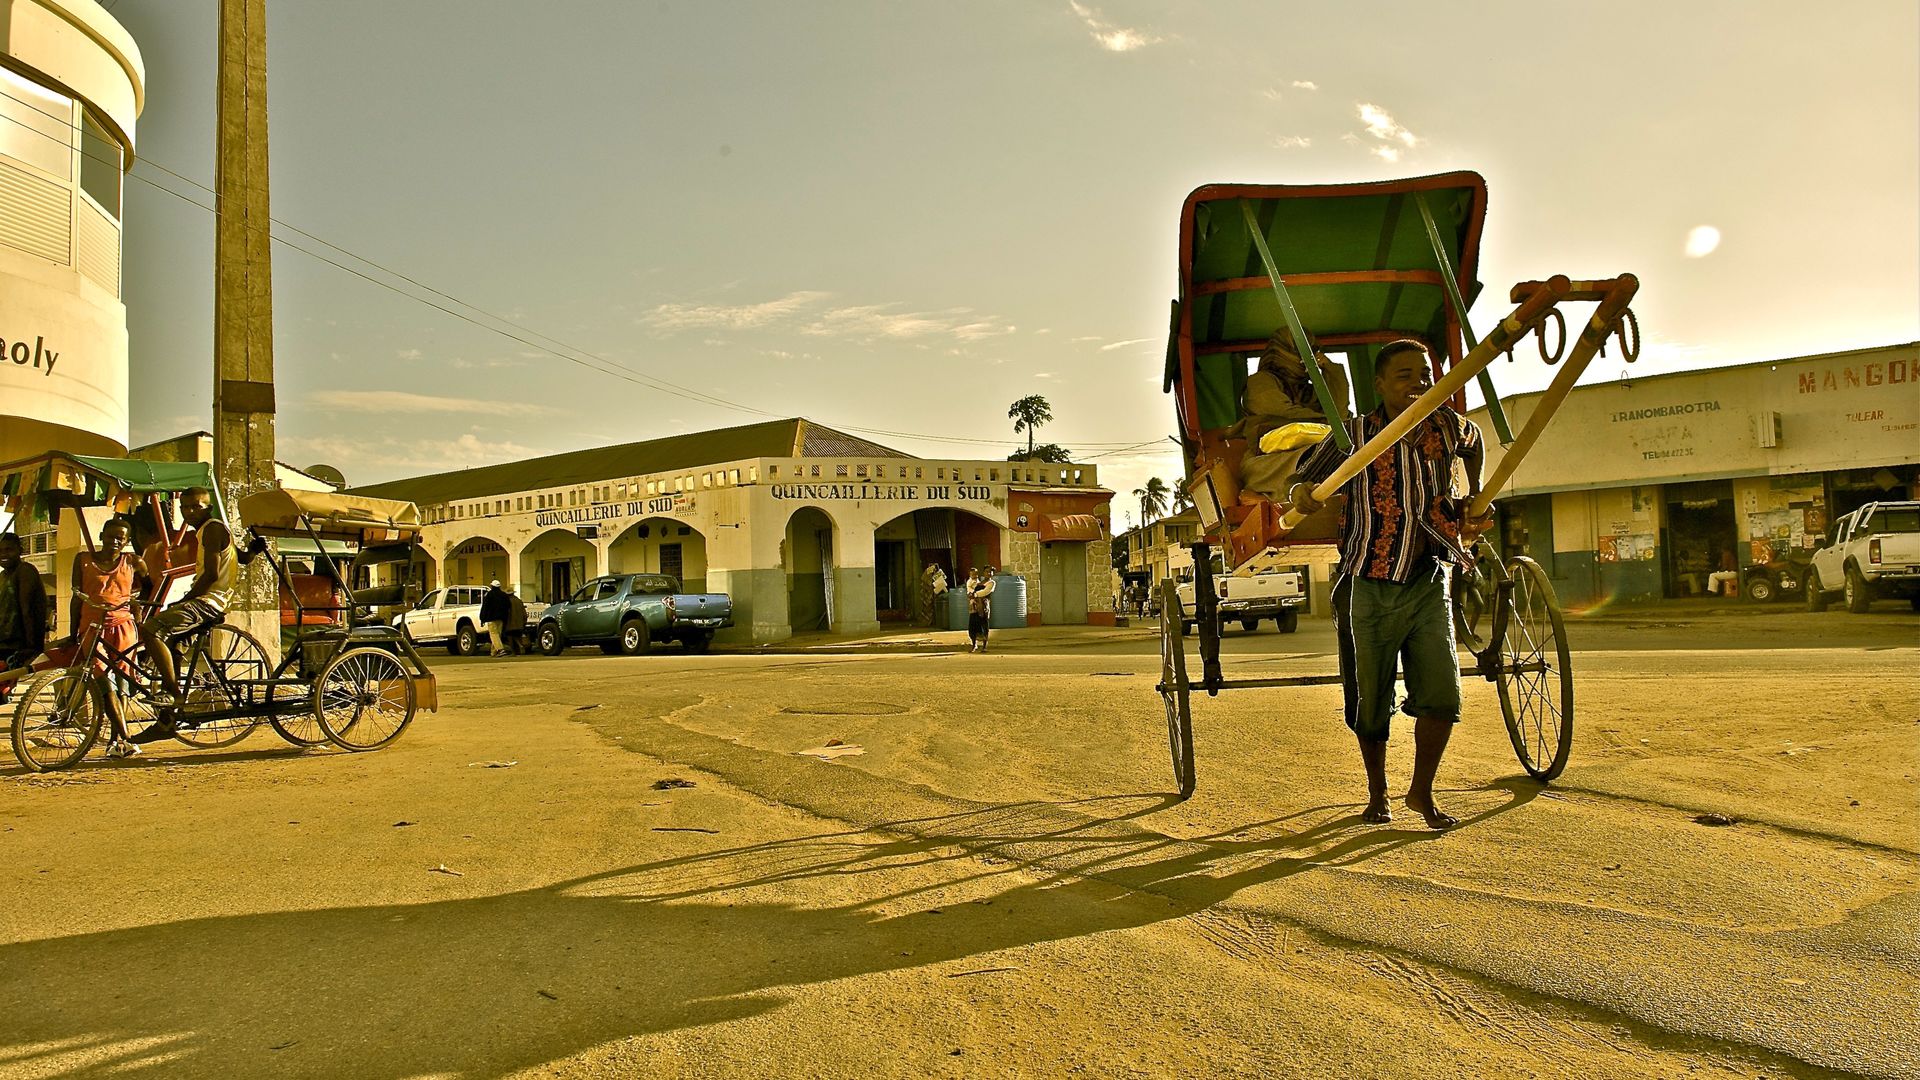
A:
(1536, 674)
(299, 728)
(54, 721)
(231, 672)
(363, 699)
(1173, 689)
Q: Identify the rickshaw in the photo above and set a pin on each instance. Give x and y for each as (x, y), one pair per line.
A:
(347, 680)
(1348, 268)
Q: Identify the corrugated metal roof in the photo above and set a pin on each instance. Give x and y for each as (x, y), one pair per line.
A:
(773, 438)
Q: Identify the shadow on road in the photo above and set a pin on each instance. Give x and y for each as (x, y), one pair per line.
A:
(483, 986)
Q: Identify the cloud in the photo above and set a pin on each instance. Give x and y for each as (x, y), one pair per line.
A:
(1702, 241)
(461, 363)
(1123, 344)
(1305, 84)
(1084, 337)
(881, 322)
(367, 459)
(672, 318)
(1043, 375)
(1110, 37)
(1292, 142)
(410, 354)
(1381, 125)
(398, 401)
(1387, 153)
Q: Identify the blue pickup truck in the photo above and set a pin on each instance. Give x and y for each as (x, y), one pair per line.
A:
(625, 614)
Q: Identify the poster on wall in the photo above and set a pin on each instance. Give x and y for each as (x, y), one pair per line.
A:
(1610, 549)
(1762, 552)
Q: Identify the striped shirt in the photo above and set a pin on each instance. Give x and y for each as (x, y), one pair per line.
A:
(1404, 506)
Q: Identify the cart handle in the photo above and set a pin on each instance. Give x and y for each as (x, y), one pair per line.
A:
(1512, 328)
(1614, 297)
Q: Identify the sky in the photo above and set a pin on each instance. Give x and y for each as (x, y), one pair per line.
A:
(901, 217)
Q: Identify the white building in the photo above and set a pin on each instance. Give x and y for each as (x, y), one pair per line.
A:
(71, 86)
(805, 527)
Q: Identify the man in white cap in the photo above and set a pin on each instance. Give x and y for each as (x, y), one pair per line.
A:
(494, 609)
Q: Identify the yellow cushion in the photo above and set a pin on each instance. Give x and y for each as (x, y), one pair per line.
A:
(1292, 437)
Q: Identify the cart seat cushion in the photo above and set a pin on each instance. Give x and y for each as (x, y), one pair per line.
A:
(378, 595)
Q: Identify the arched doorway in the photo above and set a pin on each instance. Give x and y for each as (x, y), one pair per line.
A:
(806, 553)
(475, 561)
(951, 539)
(554, 564)
(661, 546)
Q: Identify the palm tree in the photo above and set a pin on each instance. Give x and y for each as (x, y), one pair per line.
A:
(1153, 499)
(1182, 498)
(1027, 415)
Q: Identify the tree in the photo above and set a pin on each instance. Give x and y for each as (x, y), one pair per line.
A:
(1027, 415)
(1153, 499)
(1052, 453)
(1182, 498)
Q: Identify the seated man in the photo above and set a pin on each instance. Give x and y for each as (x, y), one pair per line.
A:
(1280, 394)
(215, 569)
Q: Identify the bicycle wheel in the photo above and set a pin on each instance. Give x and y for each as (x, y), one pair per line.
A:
(363, 699)
(1174, 692)
(1536, 674)
(230, 672)
(55, 722)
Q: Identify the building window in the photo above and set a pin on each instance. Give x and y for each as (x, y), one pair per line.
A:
(860, 471)
(706, 480)
(816, 468)
(38, 126)
(753, 472)
(918, 472)
(774, 470)
(734, 475)
(839, 470)
(100, 165)
(941, 474)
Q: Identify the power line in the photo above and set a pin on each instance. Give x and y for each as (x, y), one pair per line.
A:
(605, 366)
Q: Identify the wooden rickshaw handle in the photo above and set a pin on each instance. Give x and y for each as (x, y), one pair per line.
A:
(1524, 318)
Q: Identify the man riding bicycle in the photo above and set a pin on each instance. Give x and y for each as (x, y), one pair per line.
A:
(215, 569)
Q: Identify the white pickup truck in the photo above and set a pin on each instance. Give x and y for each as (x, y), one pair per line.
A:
(1872, 554)
(1244, 598)
(452, 615)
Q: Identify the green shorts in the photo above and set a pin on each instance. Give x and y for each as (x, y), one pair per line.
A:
(1384, 626)
(183, 618)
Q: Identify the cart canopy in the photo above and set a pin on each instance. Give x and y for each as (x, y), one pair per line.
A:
(328, 513)
(1357, 262)
(60, 479)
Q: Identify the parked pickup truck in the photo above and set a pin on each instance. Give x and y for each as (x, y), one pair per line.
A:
(1245, 598)
(1872, 554)
(627, 613)
(452, 615)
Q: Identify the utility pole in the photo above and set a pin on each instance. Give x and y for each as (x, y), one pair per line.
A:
(243, 400)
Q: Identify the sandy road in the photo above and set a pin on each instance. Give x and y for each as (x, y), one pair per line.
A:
(997, 885)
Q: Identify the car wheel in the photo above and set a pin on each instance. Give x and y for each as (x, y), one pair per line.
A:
(1289, 621)
(1760, 589)
(1858, 592)
(1249, 625)
(466, 640)
(635, 637)
(697, 641)
(1815, 591)
(551, 641)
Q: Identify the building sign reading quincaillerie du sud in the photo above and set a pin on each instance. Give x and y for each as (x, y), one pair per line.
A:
(581, 515)
(883, 492)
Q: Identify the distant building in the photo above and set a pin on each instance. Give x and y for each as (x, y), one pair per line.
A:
(71, 85)
(1639, 486)
(805, 527)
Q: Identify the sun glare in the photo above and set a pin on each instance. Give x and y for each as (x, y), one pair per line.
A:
(1701, 241)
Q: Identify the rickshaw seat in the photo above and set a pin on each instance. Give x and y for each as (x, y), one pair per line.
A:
(379, 595)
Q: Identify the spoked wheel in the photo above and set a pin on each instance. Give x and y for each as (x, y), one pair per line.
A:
(1173, 688)
(54, 721)
(363, 699)
(1536, 674)
(231, 672)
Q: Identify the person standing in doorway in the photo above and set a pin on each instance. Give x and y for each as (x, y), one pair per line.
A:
(980, 606)
(1404, 528)
(494, 609)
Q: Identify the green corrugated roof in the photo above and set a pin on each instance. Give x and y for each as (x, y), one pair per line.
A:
(773, 438)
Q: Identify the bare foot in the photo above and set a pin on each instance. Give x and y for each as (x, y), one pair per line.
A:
(1437, 819)
(1376, 812)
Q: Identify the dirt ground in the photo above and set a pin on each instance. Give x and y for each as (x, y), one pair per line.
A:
(993, 880)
